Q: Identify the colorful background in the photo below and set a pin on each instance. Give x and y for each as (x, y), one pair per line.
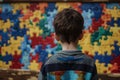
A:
(26, 34)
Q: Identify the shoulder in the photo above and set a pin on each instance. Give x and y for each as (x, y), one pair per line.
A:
(88, 60)
(53, 59)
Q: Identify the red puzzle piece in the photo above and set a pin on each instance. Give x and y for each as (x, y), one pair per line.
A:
(96, 24)
(35, 57)
(16, 57)
(16, 65)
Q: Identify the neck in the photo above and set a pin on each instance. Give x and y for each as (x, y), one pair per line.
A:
(71, 46)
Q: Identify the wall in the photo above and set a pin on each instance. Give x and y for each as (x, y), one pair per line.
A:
(26, 34)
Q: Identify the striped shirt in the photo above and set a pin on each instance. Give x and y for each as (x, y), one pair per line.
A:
(69, 65)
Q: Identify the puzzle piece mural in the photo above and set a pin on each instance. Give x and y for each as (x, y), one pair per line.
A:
(26, 34)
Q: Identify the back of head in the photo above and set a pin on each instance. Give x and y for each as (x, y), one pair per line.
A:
(68, 25)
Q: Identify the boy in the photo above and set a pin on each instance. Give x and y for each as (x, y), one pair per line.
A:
(70, 63)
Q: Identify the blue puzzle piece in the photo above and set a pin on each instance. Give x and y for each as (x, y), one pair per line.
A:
(15, 17)
(49, 21)
(6, 7)
(25, 60)
(112, 22)
(87, 15)
(43, 56)
(94, 7)
(116, 51)
(38, 49)
(106, 59)
(16, 31)
(50, 50)
(7, 58)
(5, 15)
(51, 7)
(97, 56)
(5, 38)
(97, 9)
(86, 6)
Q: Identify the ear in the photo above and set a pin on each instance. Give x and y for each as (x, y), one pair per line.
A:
(56, 37)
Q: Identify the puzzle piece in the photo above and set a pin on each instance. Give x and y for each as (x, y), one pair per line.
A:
(5, 25)
(42, 7)
(34, 65)
(114, 68)
(36, 14)
(87, 15)
(86, 40)
(50, 50)
(6, 7)
(27, 14)
(4, 15)
(106, 59)
(16, 57)
(34, 57)
(97, 9)
(14, 45)
(50, 41)
(25, 60)
(51, 7)
(116, 50)
(115, 30)
(101, 67)
(16, 65)
(112, 22)
(24, 44)
(35, 40)
(50, 18)
(76, 6)
(86, 6)
(38, 49)
(96, 48)
(34, 30)
(115, 12)
(94, 7)
(43, 56)
(7, 58)
(107, 49)
(98, 56)
(96, 24)
(19, 7)
(5, 37)
(61, 6)
(96, 36)
(104, 41)
(116, 61)
(33, 7)
(106, 18)
(6, 66)
(1, 64)
(18, 32)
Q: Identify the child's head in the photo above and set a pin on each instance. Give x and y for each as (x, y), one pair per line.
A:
(68, 25)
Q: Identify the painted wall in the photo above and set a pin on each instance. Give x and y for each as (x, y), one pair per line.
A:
(26, 34)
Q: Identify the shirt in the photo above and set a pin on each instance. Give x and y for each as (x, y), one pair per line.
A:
(69, 65)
